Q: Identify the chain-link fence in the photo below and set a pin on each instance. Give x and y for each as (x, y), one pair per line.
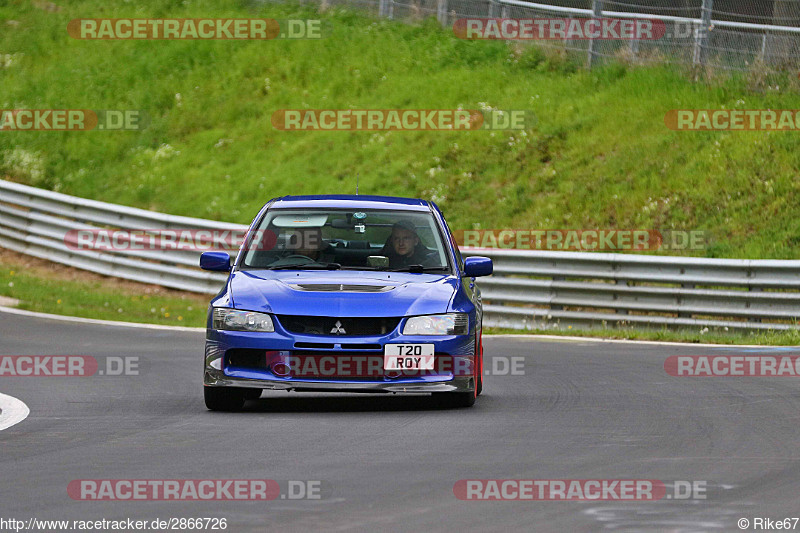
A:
(727, 34)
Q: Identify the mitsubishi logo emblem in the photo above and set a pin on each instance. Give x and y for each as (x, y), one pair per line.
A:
(338, 329)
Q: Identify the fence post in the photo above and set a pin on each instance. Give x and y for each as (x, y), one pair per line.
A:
(634, 48)
(441, 12)
(492, 9)
(597, 12)
(386, 8)
(701, 34)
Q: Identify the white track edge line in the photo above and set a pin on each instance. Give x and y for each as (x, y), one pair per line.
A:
(95, 321)
(635, 341)
(13, 411)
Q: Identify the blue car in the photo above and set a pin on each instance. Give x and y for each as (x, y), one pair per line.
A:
(345, 293)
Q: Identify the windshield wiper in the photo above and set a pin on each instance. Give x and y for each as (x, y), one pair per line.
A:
(307, 266)
(416, 269)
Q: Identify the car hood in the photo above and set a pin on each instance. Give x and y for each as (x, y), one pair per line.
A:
(341, 293)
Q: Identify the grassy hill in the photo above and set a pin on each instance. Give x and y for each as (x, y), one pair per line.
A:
(599, 156)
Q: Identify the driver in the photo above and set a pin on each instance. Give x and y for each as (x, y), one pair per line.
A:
(403, 248)
(311, 244)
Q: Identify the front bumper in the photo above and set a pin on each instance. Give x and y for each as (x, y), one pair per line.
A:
(454, 385)
(219, 372)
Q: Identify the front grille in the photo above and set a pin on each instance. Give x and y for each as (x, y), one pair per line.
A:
(315, 345)
(361, 347)
(350, 326)
(339, 287)
(330, 346)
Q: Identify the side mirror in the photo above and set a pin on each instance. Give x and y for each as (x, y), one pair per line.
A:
(477, 266)
(216, 261)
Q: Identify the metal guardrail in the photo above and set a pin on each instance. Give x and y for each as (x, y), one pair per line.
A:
(529, 290)
(540, 289)
(36, 221)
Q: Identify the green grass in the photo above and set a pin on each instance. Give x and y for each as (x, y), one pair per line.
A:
(100, 298)
(598, 157)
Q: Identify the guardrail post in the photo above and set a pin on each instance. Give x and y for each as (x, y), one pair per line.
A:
(679, 300)
(556, 307)
(597, 12)
(753, 289)
(386, 8)
(634, 49)
(441, 12)
(701, 34)
(620, 282)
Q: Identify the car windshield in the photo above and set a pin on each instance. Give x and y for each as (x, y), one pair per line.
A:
(346, 239)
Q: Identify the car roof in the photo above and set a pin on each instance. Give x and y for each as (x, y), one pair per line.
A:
(350, 201)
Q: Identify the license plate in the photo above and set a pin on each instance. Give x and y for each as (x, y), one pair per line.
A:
(408, 357)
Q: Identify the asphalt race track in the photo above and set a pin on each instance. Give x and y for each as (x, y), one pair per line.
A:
(581, 410)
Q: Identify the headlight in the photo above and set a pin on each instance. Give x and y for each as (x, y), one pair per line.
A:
(232, 319)
(449, 324)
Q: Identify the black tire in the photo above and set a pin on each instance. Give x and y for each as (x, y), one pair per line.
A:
(251, 394)
(479, 367)
(455, 399)
(223, 398)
